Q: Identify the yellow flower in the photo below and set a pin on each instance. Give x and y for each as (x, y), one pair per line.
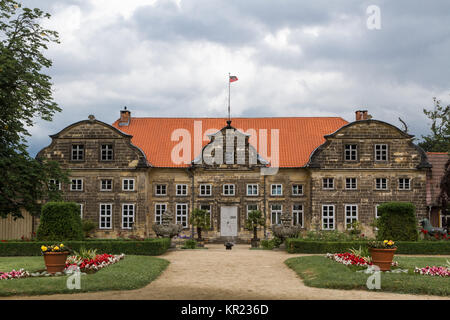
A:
(61, 245)
(385, 241)
(390, 242)
(44, 248)
(55, 248)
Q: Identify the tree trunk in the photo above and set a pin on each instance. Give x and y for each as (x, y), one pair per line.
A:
(199, 233)
(255, 233)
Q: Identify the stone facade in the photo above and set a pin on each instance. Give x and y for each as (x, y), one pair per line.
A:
(238, 182)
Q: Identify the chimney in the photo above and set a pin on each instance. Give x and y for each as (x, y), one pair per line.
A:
(361, 115)
(125, 117)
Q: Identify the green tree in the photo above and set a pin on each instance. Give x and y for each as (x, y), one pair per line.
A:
(439, 139)
(254, 220)
(201, 220)
(25, 94)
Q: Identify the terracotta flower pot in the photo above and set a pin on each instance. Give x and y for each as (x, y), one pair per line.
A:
(55, 261)
(382, 258)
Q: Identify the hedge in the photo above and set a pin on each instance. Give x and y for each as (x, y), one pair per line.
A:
(397, 221)
(403, 247)
(149, 247)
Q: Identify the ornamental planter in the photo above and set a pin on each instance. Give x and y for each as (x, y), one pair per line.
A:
(254, 243)
(55, 261)
(382, 258)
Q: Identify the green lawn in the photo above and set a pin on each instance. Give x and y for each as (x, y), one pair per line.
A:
(321, 272)
(132, 272)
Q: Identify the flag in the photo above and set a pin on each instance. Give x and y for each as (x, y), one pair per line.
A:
(233, 78)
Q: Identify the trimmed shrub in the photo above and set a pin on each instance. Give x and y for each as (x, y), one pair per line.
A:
(397, 222)
(149, 247)
(403, 247)
(190, 244)
(60, 221)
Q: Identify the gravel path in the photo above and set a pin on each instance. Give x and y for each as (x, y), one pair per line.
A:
(240, 273)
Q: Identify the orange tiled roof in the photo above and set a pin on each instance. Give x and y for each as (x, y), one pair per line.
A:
(298, 136)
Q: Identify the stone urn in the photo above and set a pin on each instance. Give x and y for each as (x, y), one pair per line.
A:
(167, 229)
(55, 261)
(382, 258)
(286, 229)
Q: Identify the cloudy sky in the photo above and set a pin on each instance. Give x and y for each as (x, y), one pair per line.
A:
(292, 58)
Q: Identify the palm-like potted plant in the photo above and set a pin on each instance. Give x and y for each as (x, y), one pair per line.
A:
(55, 257)
(254, 220)
(382, 253)
(202, 221)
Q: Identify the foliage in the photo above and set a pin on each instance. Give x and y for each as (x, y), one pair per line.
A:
(25, 94)
(88, 227)
(149, 247)
(355, 228)
(397, 221)
(54, 248)
(438, 140)
(267, 244)
(200, 219)
(385, 244)
(60, 221)
(362, 252)
(190, 244)
(444, 195)
(84, 253)
(254, 220)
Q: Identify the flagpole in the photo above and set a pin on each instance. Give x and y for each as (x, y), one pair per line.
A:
(229, 92)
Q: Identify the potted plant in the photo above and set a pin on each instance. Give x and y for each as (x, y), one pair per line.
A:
(382, 253)
(254, 220)
(201, 219)
(55, 257)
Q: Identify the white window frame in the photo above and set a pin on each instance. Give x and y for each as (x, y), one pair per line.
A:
(328, 217)
(381, 184)
(128, 184)
(183, 216)
(351, 184)
(128, 215)
(298, 213)
(107, 149)
(296, 193)
(81, 209)
(401, 186)
(159, 212)
(101, 184)
(183, 188)
(350, 217)
(276, 185)
(328, 183)
(381, 153)
(230, 187)
(252, 187)
(159, 193)
(108, 217)
(352, 152)
(277, 213)
(248, 209)
(76, 147)
(207, 187)
(77, 179)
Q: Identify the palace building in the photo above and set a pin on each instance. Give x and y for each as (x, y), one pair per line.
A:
(323, 171)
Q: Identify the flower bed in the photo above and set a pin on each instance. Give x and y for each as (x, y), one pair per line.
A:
(349, 259)
(14, 274)
(100, 261)
(433, 271)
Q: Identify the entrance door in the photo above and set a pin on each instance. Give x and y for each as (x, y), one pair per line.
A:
(228, 221)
